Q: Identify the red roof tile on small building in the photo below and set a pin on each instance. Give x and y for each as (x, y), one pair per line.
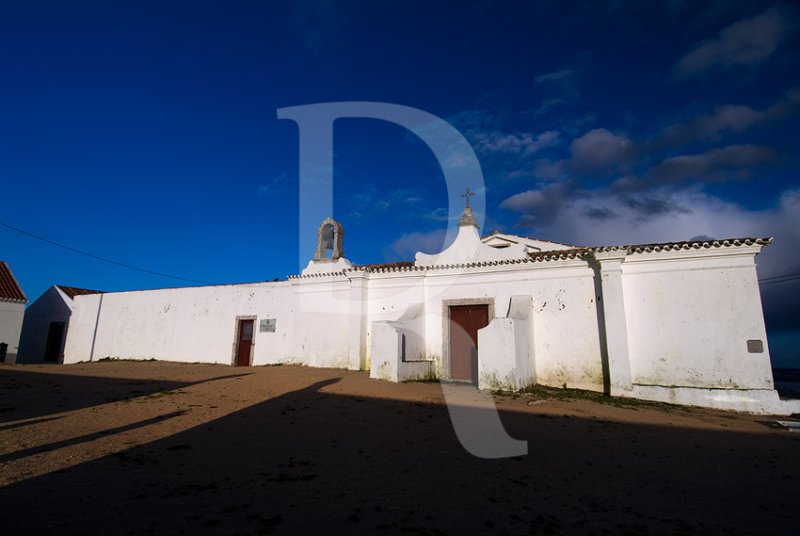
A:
(71, 292)
(10, 290)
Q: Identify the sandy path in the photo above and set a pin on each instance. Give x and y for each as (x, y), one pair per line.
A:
(141, 448)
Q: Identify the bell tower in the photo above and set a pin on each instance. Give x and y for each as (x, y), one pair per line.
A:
(330, 238)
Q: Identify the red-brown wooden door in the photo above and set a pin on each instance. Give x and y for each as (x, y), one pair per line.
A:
(245, 343)
(465, 321)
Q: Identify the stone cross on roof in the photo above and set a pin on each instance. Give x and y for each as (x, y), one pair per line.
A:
(467, 218)
(467, 195)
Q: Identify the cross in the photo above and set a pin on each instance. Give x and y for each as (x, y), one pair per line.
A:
(467, 195)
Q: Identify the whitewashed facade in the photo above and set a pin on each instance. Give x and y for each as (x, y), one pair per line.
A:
(12, 309)
(45, 325)
(678, 322)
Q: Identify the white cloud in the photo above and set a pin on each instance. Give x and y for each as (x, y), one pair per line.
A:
(746, 42)
(561, 76)
(486, 139)
(273, 185)
(439, 214)
(606, 218)
(671, 216)
(520, 143)
(409, 244)
(549, 104)
(697, 214)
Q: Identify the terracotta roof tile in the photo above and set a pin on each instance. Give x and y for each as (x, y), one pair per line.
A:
(71, 292)
(689, 244)
(384, 266)
(9, 288)
(556, 255)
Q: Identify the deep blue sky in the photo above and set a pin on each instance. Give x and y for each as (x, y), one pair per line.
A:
(146, 132)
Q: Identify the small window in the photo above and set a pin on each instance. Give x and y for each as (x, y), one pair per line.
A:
(267, 325)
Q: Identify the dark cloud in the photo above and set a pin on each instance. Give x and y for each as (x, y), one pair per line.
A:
(630, 184)
(727, 118)
(550, 171)
(745, 43)
(647, 207)
(781, 307)
(733, 118)
(717, 165)
(600, 151)
(788, 106)
(598, 213)
(542, 206)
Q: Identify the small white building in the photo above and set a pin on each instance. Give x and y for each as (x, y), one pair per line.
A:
(679, 322)
(12, 307)
(44, 328)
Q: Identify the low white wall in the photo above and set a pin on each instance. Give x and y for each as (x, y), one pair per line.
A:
(198, 324)
(398, 297)
(11, 315)
(498, 356)
(387, 355)
(505, 360)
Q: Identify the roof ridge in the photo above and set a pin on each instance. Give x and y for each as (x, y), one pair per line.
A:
(494, 233)
(543, 256)
(687, 244)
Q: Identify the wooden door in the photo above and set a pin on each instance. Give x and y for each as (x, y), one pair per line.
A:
(465, 321)
(245, 343)
(55, 341)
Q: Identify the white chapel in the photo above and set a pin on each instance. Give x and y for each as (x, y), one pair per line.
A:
(676, 322)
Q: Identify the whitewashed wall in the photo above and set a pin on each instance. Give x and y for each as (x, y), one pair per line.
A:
(565, 336)
(198, 324)
(318, 331)
(689, 320)
(52, 306)
(677, 324)
(11, 315)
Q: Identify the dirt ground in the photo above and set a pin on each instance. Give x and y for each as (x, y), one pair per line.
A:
(164, 448)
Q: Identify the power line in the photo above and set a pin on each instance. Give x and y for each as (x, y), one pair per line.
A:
(98, 257)
(780, 278)
(766, 281)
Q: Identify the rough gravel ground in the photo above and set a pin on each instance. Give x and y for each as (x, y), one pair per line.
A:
(165, 448)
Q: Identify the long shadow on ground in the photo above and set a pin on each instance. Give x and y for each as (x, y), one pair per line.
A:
(311, 461)
(66, 392)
